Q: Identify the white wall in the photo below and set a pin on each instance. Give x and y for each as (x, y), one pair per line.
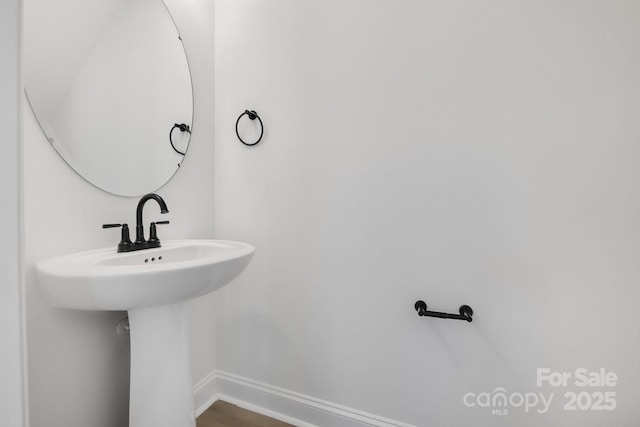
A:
(12, 388)
(461, 152)
(78, 366)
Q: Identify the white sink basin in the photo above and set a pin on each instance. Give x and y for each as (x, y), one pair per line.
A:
(152, 285)
(105, 280)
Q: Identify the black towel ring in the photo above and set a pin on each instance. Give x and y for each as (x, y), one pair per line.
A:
(252, 115)
(183, 128)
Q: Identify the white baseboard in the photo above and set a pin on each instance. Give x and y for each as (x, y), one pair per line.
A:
(284, 405)
(204, 393)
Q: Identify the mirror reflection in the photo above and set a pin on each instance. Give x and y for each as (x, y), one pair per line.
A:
(109, 83)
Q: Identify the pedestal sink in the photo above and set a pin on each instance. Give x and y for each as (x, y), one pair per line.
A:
(152, 285)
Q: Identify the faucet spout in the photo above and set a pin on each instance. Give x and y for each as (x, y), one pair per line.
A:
(139, 226)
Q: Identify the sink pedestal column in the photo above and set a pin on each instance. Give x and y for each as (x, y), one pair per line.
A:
(161, 393)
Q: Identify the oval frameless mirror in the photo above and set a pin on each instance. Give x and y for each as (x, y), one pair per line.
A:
(108, 81)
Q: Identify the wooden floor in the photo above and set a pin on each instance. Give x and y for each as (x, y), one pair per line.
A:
(223, 414)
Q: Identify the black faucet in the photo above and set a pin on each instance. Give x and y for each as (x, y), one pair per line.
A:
(152, 243)
(125, 244)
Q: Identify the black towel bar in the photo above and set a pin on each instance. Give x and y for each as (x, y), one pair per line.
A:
(465, 312)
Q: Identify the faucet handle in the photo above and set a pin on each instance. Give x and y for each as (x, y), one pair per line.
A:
(125, 240)
(153, 235)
